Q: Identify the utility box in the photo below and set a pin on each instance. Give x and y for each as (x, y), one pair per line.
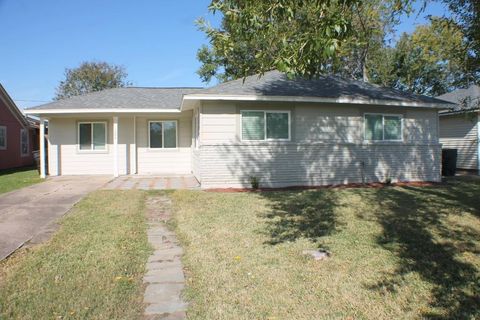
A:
(449, 162)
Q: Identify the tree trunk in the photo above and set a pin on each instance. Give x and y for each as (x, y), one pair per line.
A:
(365, 71)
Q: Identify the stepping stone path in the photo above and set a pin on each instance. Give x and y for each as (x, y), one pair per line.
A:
(164, 278)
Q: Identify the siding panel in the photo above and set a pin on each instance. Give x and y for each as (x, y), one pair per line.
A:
(177, 161)
(317, 164)
(327, 147)
(64, 157)
(461, 132)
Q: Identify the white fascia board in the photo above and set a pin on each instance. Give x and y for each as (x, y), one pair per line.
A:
(81, 111)
(456, 112)
(311, 99)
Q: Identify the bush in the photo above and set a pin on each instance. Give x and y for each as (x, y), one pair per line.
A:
(254, 182)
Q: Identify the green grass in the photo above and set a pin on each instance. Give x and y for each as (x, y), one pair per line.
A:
(397, 253)
(92, 268)
(18, 178)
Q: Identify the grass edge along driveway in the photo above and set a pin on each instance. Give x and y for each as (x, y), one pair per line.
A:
(91, 268)
(13, 179)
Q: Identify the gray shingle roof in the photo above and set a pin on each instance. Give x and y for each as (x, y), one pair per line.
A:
(465, 99)
(275, 83)
(272, 83)
(124, 98)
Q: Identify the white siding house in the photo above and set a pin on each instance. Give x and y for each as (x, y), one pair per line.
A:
(283, 132)
(459, 127)
(326, 146)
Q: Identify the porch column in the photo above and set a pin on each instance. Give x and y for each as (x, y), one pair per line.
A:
(115, 146)
(134, 158)
(42, 148)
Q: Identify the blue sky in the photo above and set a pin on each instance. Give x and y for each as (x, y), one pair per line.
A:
(156, 41)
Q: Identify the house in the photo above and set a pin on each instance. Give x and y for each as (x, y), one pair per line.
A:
(285, 132)
(18, 135)
(459, 126)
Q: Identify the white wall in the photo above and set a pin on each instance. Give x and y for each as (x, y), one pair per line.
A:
(65, 158)
(461, 132)
(177, 161)
(327, 147)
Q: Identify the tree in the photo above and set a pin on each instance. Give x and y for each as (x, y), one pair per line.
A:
(294, 36)
(90, 77)
(467, 15)
(299, 37)
(432, 59)
(357, 57)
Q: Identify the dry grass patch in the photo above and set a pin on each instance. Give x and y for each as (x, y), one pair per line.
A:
(92, 268)
(397, 253)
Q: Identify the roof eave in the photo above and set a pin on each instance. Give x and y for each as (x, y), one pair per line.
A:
(40, 112)
(454, 112)
(344, 100)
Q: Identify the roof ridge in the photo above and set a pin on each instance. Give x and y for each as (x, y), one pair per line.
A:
(142, 87)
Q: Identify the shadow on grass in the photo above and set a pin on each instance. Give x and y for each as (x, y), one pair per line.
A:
(16, 170)
(300, 214)
(415, 229)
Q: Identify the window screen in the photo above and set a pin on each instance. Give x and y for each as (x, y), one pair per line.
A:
(92, 136)
(277, 125)
(253, 125)
(380, 127)
(265, 125)
(163, 134)
(3, 137)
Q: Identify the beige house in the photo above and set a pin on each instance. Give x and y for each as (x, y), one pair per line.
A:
(285, 132)
(459, 127)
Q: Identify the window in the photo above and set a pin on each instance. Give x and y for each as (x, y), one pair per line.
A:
(24, 142)
(162, 134)
(3, 138)
(383, 127)
(92, 136)
(265, 125)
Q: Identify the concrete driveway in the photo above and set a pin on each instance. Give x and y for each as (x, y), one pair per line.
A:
(31, 211)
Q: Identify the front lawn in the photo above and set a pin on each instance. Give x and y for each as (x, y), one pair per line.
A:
(92, 268)
(397, 253)
(18, 178)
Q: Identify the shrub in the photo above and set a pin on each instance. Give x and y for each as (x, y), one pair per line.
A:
(254, 182)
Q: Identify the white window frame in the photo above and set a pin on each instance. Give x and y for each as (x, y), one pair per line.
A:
(265, 124)
(163, 135)
(4, 128)
(383, 126)
(22, 130)
(92, 150)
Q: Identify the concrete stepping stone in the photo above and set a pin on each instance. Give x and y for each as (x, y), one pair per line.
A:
(164, 277)
(172, 274)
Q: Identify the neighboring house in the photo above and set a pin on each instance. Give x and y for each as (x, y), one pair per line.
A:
(459, 126)
(18, 134)
(285, 132)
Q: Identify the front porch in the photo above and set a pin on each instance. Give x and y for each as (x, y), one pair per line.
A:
(157, 182)
(124, 144)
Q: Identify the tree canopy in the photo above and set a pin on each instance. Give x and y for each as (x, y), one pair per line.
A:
(90, 77)
(346, 37)
(433, 59)
(299, 37)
